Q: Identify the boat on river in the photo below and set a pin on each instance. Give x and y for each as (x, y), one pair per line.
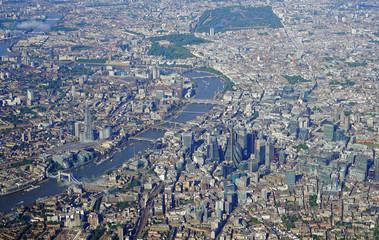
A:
(32, 188)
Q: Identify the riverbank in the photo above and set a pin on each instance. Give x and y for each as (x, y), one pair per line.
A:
(229, 85)
(122, 150)
(26, 186)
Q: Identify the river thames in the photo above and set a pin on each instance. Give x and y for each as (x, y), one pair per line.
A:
(208, 86)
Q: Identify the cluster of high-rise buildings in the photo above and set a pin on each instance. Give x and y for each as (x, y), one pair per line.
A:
(289, 150)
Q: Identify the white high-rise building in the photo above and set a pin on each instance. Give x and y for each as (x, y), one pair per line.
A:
(30, 95)
(211, 32)
(73, 91)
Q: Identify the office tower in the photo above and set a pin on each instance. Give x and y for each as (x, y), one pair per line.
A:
(264, 194)
(269, 154)
(290, 177)
(211, 32)
(30, 95)
(229, 149)
(233, 151)
(329, 132)
(282, 157)
(30, 98)
(350, 158)
(260, 151)
(362, 167)
(237, 155)
(260, 134)
(218, 213)
(242, 196)
(51, 54)
(251, 139)
(120, 232)
(244, 165)
(303, 122)
(159, 94)
(338, 135)
(230, 142)
(346, 123)
(336, 115)
(156, 72)
(220, 205)
(88, 130)
(105, 133)
(71, 128)
(299, 54)
(304, 134)
(73, 91)
(213, 153)
(179, 89)
(254, 165)
(377, 169)
(187, 139)
(226, 169)
(294, 128)
(324, 158)
(232, 198)
(77, 129)
(242, 141)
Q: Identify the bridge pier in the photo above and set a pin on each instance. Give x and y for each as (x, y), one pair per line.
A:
(63, 174)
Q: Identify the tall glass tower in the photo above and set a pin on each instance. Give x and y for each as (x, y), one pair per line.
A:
(187, 139)
(88, 130)
(329, 130)
(212, 149)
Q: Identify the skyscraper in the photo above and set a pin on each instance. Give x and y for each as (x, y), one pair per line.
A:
(242, 140)
(254, 165)
(88, 130)
(77, 129)
(187, 139)
(260, 151)
(304, 134)
(212, 149)
(211, 32)
(73, 91)
(160, 94)
(346, 123)
(233, 151)
(30, 95)
(282, 157)
(30, 99)
(329, 132)
(290, 177)
(228, 151)
(251, 138)
(362, 166)
(51, 54)
(269, 154)
(294, 128)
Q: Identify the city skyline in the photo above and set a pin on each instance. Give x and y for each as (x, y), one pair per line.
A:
(189, 119)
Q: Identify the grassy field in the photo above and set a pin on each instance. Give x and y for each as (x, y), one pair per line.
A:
(176, 49)
(238, 17)
(295, 79)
